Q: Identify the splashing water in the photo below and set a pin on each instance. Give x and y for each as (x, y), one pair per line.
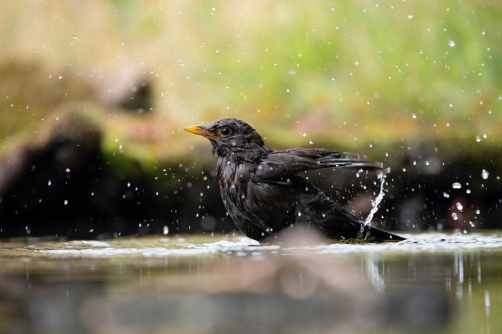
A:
(377, 200)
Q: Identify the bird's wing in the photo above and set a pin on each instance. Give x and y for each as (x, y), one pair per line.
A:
(279, 164)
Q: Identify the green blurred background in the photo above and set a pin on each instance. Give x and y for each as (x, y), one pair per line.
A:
(348, 73)
(364, 76)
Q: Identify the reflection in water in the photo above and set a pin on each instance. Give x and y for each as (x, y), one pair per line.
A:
(487, 303)
(447, 283)
(373, 274)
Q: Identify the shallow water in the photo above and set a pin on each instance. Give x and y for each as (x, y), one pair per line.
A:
(448, 282)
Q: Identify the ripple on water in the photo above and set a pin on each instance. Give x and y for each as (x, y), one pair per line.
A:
(426, 242)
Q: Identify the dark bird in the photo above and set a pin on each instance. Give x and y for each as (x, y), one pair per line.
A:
(264, 194)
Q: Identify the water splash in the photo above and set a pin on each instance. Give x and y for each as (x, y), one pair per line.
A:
(377, 200)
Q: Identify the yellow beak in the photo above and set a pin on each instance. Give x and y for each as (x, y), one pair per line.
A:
(201, 131)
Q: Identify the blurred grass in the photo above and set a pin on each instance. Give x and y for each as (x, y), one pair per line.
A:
(345, 74)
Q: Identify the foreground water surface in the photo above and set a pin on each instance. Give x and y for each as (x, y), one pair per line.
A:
(449, 282)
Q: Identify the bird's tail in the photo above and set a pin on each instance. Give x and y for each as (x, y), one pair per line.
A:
(352, 161)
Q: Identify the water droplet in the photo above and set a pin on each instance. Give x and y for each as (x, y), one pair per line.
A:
(311, 142)
(67, 170)
(410, 17)
(166, 230)
(413, 116)
(74, 37)
(65, 201)
(454, 215)
(478, 212)
(49, 183)
(446, 195)
(456, 185)
(460, 207)
(451, 43)
(478, 139)
(484, 174)
(468, 191)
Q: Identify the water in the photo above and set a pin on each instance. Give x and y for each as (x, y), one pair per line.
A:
(447, 282)
(376, 202)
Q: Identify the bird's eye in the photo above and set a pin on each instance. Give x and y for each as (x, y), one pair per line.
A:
(225, 131)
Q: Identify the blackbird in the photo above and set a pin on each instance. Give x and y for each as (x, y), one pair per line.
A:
(264, 194)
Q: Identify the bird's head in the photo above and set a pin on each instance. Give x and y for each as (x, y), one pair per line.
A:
(231, 136)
